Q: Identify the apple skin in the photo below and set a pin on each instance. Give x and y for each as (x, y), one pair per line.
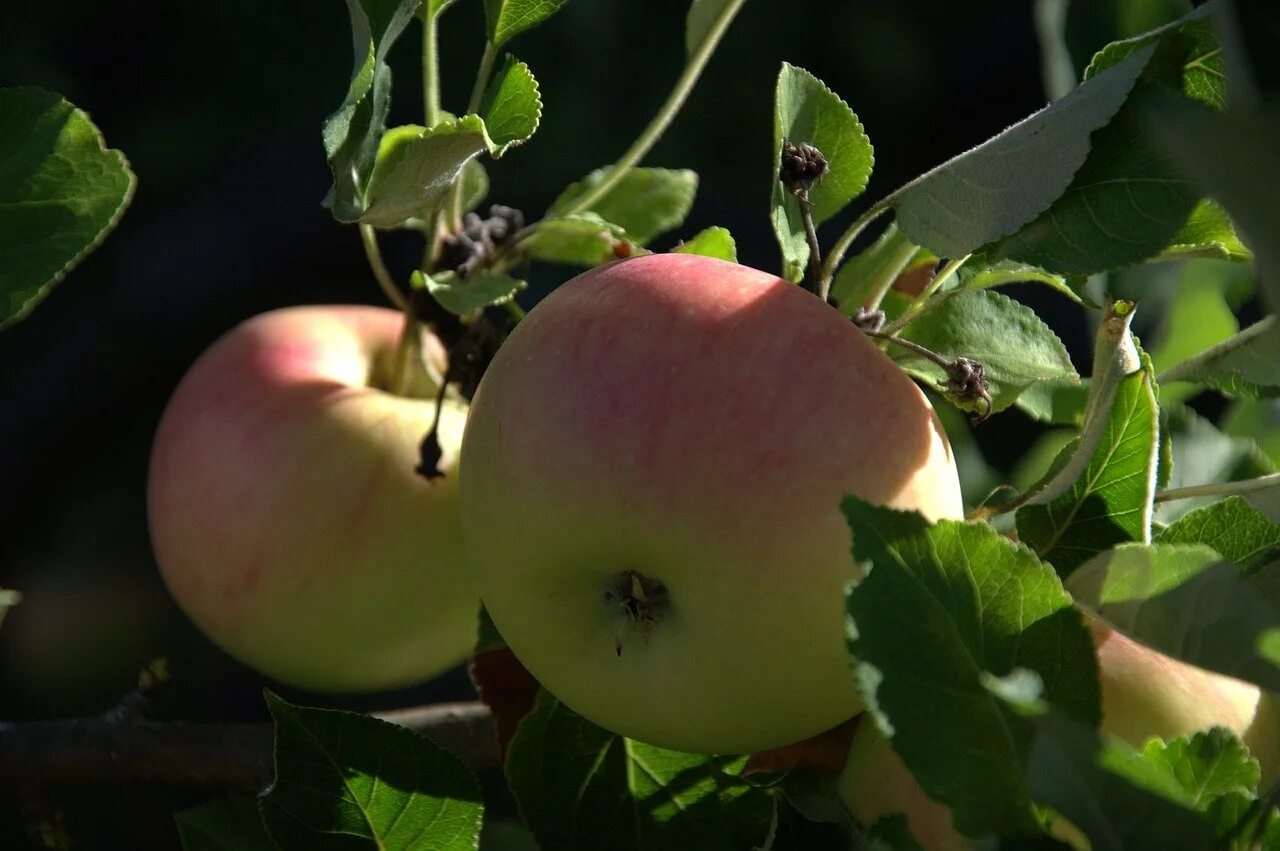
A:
(1145, 694)
(286, 516)
(695, 422)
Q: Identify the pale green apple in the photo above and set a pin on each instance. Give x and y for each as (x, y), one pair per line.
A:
(651, 482)
(287, 518)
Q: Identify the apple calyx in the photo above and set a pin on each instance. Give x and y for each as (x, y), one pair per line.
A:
(638, 602)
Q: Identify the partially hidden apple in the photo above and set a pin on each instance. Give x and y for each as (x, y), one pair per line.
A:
(651, 478)
(287, 518)
(1145, 694)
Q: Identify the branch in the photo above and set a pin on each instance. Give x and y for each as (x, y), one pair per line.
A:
(40, 754)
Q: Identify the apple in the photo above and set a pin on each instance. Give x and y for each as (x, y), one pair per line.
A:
(651, 479)
(1145, 694)
(285, 513)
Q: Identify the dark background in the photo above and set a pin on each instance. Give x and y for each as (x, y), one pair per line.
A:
(218, 107)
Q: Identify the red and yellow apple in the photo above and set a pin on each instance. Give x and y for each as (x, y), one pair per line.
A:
(1145, 694)
(651, 479)
(287, 518)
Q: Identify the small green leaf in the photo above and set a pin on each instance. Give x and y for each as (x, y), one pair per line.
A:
(61, 192)
(1208, 765)
(351, 134)
(224, 824)
(1246, 364)
(870, 274)
(512, 106)
(1014, 346)
(1057, 402)
(508, 18)
(1256, 420)
(711, 242)
(940, 609)
(463, 295)
(417, 176)
(1186, 602)
(1208, 233)
(806, 111)
(581, 240)
(582, 787)
(998, 187)
(1110, 501)
(8, 599)
(647, 202)
(1124, 205)
(1196, 318)
(980, 274)
(474, 185)
(1232, 527)
(342, 777)
(1202, 454)
(1201, 72)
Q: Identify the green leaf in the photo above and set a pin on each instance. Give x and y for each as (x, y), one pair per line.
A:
(1191, 41)
(1246, 364)
(506, 836)
(980, 274)
(1204, 455)
(1186, 602)
(474, 185)
(1208, 765)
(8, 599)
(351, 133)
(1057, 402)
(343, 776)
(870, 274)
(940, 609)
(61, 192)
(224, 824)
(1125, 204)
(582, 787)
(512, 106)
(806, 111)
(992, 190)
(582, 240)
(1257, 420)
(463, 295)
(508, 18)
(1208, 233)
(1236, 160)
(415, 177)
(711, 242)
(1233, 528)
(647, 202)
(1015, 348)
(1196, 318)
(1110, 501)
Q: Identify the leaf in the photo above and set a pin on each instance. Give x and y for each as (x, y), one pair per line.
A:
(992, 190)
(647, 202)
(865, 278)
(506, 836)
(508, 18)
(1196, 318)
(1110, 501)
(224, 824)
(1057, 402)
(61, 192)
(415, 179)
(702, 16)
(980, 274)
(1233, 528)
(343, 775)
(711, 242)
(584, 240)
(1209, 233)
(512, 106)
(1236, 160)
(8, 599)
(582, 787)
(1015, 348)
(941, 608)
(474, 185)
(1124, 205)
(806, 111)
(351, 133)
(1246, 364)
(463, 295)
(1191, 41)
(1204, 455)
(506, 687)
(1207, 765)
(1188, 603)
(1256, 420)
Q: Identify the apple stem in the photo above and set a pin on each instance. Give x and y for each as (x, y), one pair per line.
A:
(925, 302)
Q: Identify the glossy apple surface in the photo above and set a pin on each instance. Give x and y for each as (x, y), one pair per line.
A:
(287, 518)
(1144, 694)
(651, 479)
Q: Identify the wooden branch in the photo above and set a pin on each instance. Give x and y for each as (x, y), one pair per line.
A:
(42, 754)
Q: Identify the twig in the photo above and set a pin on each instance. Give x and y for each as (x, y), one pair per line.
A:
(921, 304)
(1271, 480)
(42, 754)
(370, 239)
